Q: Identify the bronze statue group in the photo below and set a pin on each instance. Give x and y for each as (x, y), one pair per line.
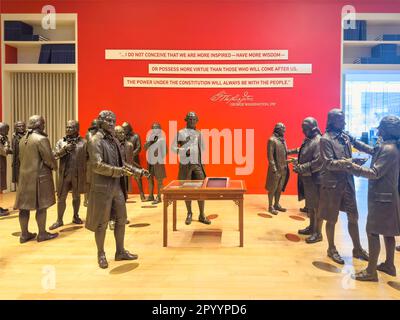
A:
(326, 170)
(100, 167)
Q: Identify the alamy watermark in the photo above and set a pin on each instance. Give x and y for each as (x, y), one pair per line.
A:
(190, 146)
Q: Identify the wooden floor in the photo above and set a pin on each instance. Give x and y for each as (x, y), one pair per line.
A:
(202, 262)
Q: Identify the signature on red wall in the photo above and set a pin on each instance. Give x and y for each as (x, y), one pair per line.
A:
(239, 100)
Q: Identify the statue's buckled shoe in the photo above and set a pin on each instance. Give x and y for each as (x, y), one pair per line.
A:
(46, 236)
(102, 261)
(29, 237)
(56, 225)
(315, 237)
(149, 198)
(125, 255)
(77, 220)
(279, 208)
(272, 210)
(390, 270)
(306, 231)
(335, 256)
(157, 200)
(360, 254)
(188, 219)
(203, 219)
(364, 275)
(4, 212)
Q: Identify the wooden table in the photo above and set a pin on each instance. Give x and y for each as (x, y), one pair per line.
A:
(176, 190)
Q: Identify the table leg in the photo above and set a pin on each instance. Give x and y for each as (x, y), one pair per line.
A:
(174, 215)
(241, 221)
(165, 225)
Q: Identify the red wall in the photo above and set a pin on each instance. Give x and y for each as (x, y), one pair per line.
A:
(310, 30)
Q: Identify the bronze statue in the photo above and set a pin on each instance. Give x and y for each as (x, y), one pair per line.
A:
(108, 192)
(133, 158)
(72, 153)
(308, 168)
(383, 196)
(156, 148)
(5, 149)
(19, 132)
(278, 170)
(189, 145)
(337, 191)
(89, 134)
(35, 185)
(126, 149)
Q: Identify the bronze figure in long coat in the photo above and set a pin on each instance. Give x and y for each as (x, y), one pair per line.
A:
(19, 132)
(383, 196)
(156, 148)
(5, 149)
(308, 168)
(278, 170)
(35, 189)
(337, 191)
(107, 191)
(72, 152)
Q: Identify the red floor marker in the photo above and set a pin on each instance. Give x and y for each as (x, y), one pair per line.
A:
(292, 237)
(264, 215)
(297, 218)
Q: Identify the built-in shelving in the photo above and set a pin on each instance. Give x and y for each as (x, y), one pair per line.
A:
(377, 25)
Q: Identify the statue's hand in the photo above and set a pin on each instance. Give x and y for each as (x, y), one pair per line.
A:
(360, 161)
(296, 168)
(145, 173)
(345, 163)
(69, 147)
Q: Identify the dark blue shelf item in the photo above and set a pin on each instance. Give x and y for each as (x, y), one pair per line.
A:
(384, 51)
(17, 31)
(45, 53)
(389, 37)
(380, 60)
(359, 33)
(57, 54)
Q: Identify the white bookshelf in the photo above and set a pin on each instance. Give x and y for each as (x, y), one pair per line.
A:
(27, 53)
(377, 25)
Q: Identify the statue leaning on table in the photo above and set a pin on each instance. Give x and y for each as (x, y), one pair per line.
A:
(189, 145)
(108, 189)
(383, 196)
(278, 170)
(5, 149)
(72, 153)
(35, 185)
(337, 191)
(156, 148)
(308, 167)
(19, 132)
